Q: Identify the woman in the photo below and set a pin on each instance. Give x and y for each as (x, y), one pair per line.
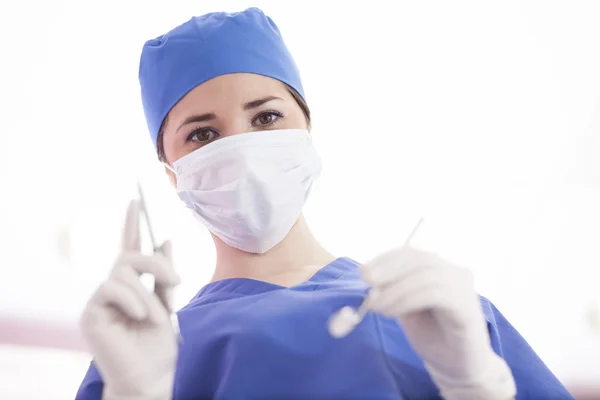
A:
(226, 111)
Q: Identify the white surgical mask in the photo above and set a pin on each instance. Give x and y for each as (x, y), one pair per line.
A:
(249, 189)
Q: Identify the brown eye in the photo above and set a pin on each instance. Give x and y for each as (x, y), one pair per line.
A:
(203, 136)
(266, 118)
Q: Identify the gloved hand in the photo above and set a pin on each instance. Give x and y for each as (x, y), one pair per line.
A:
(128, 328)
(441, 315)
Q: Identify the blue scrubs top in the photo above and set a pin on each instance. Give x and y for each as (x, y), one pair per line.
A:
(247, 339)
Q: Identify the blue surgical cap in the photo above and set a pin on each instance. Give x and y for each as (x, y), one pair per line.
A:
(208, 46)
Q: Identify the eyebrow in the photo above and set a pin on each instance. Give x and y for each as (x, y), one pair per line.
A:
(257, 103)
(212, 116)
(198, 118)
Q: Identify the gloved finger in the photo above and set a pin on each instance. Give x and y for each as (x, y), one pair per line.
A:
(430, 288)
(131, 279)
(390, 296)
(454, 317)
(157, 265)
(429, 298)
(157, 312)
(394, 265)
(115, 293)
(165, 295)
(167, 250)
(131, 229)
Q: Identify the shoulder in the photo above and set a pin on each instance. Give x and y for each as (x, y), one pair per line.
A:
(533, 378)
(91, 386)
(502, 334)
(492, 315)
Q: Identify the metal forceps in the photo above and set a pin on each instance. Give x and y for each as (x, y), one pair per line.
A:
(160, 291)
(343, 321)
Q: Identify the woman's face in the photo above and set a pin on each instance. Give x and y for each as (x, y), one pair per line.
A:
(229, 105)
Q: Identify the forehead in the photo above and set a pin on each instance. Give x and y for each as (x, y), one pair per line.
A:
(228, 91)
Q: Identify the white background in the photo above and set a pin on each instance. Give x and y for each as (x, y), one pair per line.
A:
(484, 117)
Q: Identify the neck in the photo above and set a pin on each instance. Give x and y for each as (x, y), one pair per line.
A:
(293, 260)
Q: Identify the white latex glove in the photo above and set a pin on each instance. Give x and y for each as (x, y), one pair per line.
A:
(441, 315)
(128, 328)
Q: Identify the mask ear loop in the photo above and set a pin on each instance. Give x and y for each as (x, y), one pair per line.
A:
(167, 166)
